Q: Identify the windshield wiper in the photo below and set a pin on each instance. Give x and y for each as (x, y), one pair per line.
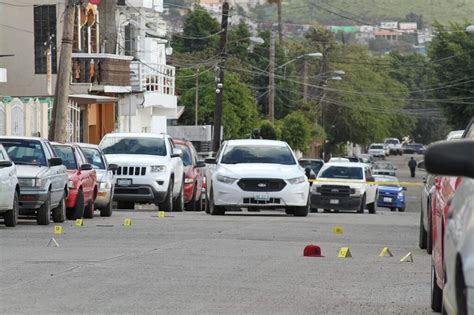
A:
(25, 163)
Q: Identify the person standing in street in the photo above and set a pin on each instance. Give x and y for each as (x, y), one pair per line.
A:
(412, 165)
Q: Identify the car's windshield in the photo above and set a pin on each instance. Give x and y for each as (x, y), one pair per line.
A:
(392, 141)
(67, 154)
(136, 146)
(25, 152)
(383, 166)
(258, 154)
(314, 165)
(94, 157)
(342, 172)
(186, 157)
(377, 147)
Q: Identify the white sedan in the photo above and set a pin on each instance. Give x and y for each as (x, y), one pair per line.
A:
(9, 190)
(256, 174)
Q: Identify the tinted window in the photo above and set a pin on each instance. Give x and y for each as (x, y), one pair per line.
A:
(379, 147)
(138, 146)
(342, 172)
(383, 166)
(186, 157)
(392, 141)
(258, 154)
(67, 154)
(314, 165)
(25, 152)
(94, 158)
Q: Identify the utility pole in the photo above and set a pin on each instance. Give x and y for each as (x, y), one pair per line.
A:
(271, 77)
(58, 128)
(220, 79)
(196, 102)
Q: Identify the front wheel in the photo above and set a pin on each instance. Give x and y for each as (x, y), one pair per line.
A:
(423, 235)
(213, 209)
(436, 292)
(107, 210)
(11, 217)
(89, 210)
(44, 212)
(402, 209)
(179, 202)
(77, 212)
(362, 205)
(372, 207)
(167, 205)
(301, 211)
(59, 213)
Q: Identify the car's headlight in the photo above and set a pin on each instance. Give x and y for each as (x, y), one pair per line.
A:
(158, 169)
(188, 180)
(297, 180)
(29, 182)
(316, 190)
(225, 179)
(355, 191)
(70, 184)
(104, 185)
(401, 195)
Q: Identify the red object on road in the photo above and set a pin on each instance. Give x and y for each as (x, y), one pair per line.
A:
(312, 251)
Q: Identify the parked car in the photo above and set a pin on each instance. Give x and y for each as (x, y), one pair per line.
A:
(42, 178)
(10, 190)
(314, 165)
(367, 159)
(384, 168)
(354, 159)
(82, 181)
(150, 170)
(105, 177)
(392, 194)
(452, 273)
(335, 193)
(338, 160)
(386, 149)
(394, 146)
(377, 150)
(256, 174)
(429, 184)
(442, 195)
(193, 175)
(414, 148)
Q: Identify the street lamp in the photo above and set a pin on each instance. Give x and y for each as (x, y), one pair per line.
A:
(313, 55)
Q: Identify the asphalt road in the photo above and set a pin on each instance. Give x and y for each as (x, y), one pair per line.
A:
(239, 263)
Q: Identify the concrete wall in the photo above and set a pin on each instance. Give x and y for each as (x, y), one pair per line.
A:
(22, 80)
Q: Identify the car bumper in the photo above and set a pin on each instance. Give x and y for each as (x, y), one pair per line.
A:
(71, 198)
(143, 189)
(395, 203)
(188, 192)
(335, 203)
(295, 195)
(31, 199)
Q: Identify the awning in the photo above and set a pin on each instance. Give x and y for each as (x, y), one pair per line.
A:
(83, 99)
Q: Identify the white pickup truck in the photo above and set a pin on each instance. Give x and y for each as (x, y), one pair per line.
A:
(149, 170)
(394, 146)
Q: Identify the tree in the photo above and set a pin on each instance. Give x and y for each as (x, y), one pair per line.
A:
(453, 50)
(269, 131)
(240, 115)
(296, 131)
(200, 32)
(280, 24)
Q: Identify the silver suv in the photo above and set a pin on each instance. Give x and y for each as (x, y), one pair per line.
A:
(149, 170)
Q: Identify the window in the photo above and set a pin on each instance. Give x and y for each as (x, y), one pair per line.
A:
(130, 40)
(258, 154)
(138, 146)
(342, 172)
(45, 32)
(25, 152)
(94, 158)
(67, 154)
(187, 157)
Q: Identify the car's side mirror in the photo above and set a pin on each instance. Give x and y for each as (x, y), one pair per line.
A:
(55, 161)
(86, 167)
(112, 167)
(177, 153)
(200, 164)
(5, 164)
(371, 179)
(210, 161)
(451, 158)
(421, 165)
(405, 188)
(307, 171)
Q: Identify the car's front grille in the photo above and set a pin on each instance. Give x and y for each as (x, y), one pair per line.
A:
(253, 201)
(264, 184)
(387, 194)
(132, 191)
(131, 170)
(335, 190)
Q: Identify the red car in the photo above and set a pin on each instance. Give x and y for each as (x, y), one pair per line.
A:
(445, 187)
(82, 181)
(193, 175)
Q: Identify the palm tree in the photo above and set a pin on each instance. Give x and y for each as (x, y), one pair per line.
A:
(280, 31)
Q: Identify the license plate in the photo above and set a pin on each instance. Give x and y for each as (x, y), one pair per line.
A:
(387, 199)
(124, 182)
(334, 201)
(262, 197)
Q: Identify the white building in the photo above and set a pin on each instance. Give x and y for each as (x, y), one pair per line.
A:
(142, 34)
(389, 25)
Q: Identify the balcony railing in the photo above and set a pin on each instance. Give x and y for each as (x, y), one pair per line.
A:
(100, 69)
(152, 78)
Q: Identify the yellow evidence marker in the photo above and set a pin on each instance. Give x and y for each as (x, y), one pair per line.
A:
(58, 229)
(407, 258)
(385, 252)
(338, 230)
(127, 222)
(344, 252)
(79, 222)
(161, 214)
